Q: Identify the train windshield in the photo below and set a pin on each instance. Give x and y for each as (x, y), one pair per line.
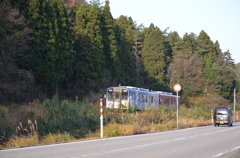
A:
(124, 94)
(117, 95)
(113, 96)
(110, 94)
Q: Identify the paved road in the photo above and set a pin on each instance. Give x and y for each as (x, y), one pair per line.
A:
(235, 153)
(199, 142)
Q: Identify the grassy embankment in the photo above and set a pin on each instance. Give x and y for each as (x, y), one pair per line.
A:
(54, 121)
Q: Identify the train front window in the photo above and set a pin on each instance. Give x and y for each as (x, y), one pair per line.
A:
(124, 94)
(110, 95)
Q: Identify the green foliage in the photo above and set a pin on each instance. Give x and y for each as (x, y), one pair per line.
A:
(109, 39)
(125, 59)
(75, 117)
(186, 68)
(153, 53)
(195, 112)
(5, 129)
(93, 28)
(51, 42)
(83, 49)
(52, 116)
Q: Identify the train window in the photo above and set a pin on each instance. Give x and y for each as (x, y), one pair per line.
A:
(141, 98)
(117, 96)
(110, 94)
(124, 94)
(167, 101)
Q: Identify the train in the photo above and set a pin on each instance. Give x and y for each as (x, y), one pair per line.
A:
(129, 97)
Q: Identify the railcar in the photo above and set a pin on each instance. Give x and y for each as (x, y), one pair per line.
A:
(168, 99)
(126, 97)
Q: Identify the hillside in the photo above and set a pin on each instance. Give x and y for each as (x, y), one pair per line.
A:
(73, 48)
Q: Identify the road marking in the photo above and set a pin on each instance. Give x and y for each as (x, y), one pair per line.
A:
(226, 152)
(218, 155)
(121, 149)
(154, 143)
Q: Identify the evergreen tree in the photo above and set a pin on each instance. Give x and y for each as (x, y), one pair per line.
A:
(63, 37)
(93, 27)
(109, 39)
(126, 68)
(226, 72)
(174, 43)
(137, 49)
(209, 54)
(51, 46)
(188, 45)
(84, 75)
(39, 41)
(153, 53)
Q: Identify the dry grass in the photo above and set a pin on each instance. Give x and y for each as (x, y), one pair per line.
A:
(28, 136)
(22, 141)
(186, 123)
(57, 138)
(25, 136)
(115, 129)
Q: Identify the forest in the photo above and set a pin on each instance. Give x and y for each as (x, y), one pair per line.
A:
(76, 49)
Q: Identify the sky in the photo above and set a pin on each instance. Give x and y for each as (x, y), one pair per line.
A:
(220, 19)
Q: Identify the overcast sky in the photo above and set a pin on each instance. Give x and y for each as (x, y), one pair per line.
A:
(220, 19)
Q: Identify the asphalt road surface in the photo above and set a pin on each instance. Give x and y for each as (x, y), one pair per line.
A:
(199, 142)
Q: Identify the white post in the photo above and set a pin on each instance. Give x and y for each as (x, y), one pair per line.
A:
(101, 119)
(177, 109)
(212, 115)
(234, 102)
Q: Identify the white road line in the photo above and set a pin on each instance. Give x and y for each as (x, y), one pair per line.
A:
(226, 152)
(145, 145)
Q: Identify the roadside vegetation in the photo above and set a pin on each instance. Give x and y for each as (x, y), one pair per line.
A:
(55, 121)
